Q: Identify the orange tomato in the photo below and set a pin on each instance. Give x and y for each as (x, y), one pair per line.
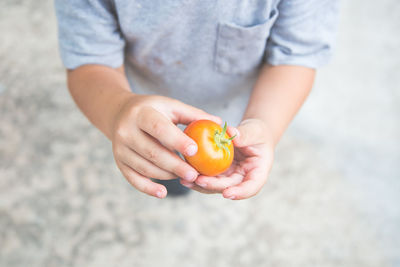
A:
(215, 149)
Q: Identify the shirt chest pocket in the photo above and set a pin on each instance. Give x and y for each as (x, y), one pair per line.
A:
(240, 49)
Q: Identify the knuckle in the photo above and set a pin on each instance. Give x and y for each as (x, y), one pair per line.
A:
(121, 133)
(152, 154)
(143, 170)
(164, 175)
(179, 169)
(157, 128)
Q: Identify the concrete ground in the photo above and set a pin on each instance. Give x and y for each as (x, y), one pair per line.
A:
(333, 197)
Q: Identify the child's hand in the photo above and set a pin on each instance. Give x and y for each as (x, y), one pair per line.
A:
(144, 137)
(254, 152)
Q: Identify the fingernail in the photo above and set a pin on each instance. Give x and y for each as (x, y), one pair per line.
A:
(231, 197)
(202, 185)
(191, 150)
(159, 194)
(190, 176)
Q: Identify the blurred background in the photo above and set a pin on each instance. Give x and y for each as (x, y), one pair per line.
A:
(332, 199)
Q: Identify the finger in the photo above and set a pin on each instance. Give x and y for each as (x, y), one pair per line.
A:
(250, 187)
(249, 132)
(142, 183)
(219, 184)
(141, 165)
(157, 125)
(185, 114)
(196, 187)
(147, 147)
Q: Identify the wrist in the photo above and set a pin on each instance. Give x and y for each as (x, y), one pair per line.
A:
(119, 105)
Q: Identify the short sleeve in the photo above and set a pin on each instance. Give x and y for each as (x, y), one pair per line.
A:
(88, 33)
(304, 33)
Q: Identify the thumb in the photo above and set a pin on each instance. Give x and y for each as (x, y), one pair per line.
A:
(249, 132)
(185, 114)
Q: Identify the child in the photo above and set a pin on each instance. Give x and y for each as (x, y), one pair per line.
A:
(137, 68)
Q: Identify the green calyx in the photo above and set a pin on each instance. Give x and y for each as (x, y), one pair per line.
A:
(221, 141)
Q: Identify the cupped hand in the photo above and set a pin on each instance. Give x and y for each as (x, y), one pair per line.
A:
(254, 154)
(145, 138)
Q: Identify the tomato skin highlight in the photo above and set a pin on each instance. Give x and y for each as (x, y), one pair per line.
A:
(210, 159)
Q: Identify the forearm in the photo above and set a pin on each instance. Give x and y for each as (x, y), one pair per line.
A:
(277, 96)
(99, 92)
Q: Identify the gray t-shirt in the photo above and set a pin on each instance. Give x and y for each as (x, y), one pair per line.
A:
(206, 53)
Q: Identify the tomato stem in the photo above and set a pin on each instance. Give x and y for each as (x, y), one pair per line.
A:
(221, 141)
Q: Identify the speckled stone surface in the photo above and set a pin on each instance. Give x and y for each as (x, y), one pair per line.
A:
(332, 198)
